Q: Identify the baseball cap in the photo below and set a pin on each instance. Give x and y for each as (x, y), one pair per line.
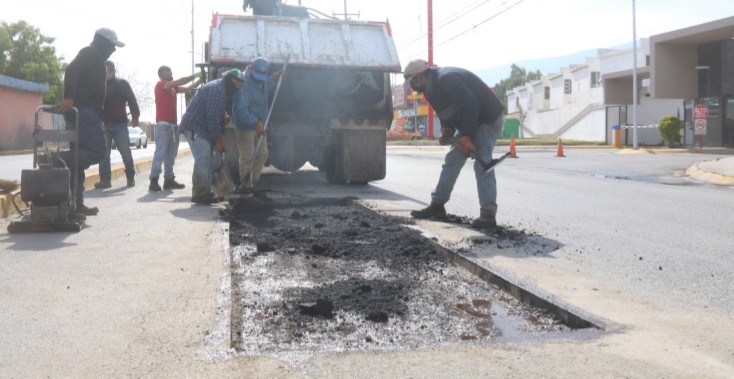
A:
(260, 69)
(235, 74)
(110, 35)
(414, 67)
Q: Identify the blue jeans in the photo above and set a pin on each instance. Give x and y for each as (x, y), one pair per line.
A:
(484, 141)
(203, 152)
(118, 133)
(166, 149)
(91, 148)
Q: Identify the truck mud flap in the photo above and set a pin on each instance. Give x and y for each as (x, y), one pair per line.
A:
(357, 156)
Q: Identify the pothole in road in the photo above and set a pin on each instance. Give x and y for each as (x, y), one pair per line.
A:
(325, 275)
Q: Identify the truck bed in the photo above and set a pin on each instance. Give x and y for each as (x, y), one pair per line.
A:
(316, 43)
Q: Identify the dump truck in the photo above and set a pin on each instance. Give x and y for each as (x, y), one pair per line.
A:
(335, 104)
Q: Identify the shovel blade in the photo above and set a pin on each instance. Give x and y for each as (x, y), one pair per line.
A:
(223, 184)
(494, 162)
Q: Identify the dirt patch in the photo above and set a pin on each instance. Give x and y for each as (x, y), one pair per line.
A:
(326, 275)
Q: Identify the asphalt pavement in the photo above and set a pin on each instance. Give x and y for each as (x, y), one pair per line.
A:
(719, 171)
(144, 291)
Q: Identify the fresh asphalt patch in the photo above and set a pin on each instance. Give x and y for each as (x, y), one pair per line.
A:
(327, 275)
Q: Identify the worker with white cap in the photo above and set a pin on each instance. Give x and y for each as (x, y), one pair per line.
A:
(84, 88)
(471, 115)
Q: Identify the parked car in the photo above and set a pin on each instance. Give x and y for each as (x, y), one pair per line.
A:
(137, 137)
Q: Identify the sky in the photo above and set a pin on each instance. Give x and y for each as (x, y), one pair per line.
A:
(473, 34)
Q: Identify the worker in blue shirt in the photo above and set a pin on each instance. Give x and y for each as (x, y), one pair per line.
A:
(203, 125)
(471, 119)
(249, 111)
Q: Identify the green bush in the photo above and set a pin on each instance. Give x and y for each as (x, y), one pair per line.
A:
(670, 129)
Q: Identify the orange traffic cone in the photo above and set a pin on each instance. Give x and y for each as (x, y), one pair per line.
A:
(513, 153)
(559, 151)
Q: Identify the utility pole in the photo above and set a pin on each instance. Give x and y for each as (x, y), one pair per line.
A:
(635, 144)
(345, 14)
(430, 62)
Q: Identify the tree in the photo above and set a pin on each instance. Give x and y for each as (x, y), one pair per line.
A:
(27, 54)
(518, 77)
(142, 89)
(670, 129)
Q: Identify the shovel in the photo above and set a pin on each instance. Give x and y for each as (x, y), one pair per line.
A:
(489, 166)
(221, 180)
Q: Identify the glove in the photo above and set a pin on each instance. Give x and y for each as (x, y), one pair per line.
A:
(447, 136)
(466, 144)
(197, 75)
(259, 128)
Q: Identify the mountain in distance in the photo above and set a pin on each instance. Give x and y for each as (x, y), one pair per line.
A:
(493, 75)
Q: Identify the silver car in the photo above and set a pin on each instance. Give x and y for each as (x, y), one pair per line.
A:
(138, 138)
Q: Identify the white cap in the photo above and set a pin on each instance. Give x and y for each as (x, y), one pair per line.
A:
(110, 35)
(415, 67)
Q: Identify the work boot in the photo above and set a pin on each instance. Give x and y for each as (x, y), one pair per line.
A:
(154, 185)
(172, 184)
(102, 184)
(486, 219)
(435, 211)
(208, 198)
(86, 211)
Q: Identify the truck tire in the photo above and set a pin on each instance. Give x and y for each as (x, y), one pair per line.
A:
(332, 166)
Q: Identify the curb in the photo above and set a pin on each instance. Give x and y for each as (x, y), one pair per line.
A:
(713, 150)
(7, 208)
(706, 176)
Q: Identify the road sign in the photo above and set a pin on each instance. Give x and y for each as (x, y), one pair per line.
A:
(700, 111)
(699, 128)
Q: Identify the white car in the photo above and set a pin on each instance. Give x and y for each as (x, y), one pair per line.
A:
(138, 138)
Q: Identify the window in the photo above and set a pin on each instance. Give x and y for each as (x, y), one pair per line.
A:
(547, 93)
(567, 86)
(595, 79)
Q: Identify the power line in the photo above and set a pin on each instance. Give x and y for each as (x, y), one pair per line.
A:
(446, 21)
(481, 23)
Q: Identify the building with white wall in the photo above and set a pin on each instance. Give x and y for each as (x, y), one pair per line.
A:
(674, 71)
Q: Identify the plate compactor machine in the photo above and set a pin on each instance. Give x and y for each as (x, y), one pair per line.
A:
(46, 190)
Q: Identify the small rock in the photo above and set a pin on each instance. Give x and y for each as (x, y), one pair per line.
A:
(377, 316)
(322, 307)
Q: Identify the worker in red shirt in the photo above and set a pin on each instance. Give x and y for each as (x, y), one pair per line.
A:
(166, 130)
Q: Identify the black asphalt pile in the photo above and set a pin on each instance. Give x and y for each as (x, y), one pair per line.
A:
(327, 275)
